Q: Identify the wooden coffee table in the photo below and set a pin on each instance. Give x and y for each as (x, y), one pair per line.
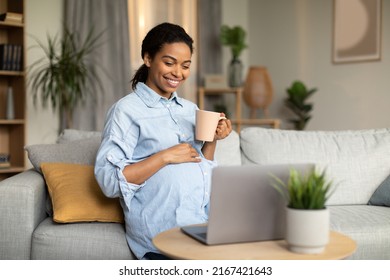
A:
(177, 245)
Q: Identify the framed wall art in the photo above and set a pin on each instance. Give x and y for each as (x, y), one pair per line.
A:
(356, 30)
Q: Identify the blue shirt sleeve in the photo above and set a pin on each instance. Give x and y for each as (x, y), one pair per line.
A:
(114, 154)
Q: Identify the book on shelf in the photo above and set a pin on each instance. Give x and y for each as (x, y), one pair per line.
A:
(11, 57)
(11, 17)
(4, 161)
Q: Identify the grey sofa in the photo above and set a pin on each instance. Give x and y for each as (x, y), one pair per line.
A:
(357, 161)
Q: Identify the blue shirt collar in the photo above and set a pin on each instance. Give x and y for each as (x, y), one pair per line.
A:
(151, 98)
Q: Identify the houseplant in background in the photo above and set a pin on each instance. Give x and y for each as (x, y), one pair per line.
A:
(64, 74)
(296, 101)
(307, 218)
(234, 38)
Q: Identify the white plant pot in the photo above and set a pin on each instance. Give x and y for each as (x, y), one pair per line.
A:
(307, 231)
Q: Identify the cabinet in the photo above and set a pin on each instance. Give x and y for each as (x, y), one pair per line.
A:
(12, 129)
(238, 121)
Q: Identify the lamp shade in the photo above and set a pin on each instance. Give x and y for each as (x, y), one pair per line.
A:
(258, 90)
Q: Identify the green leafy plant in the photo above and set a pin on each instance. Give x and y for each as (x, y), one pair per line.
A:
(297, 102)
(61, 75)
(233, 37)
(304, 192)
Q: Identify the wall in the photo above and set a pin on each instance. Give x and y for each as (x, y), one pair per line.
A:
(235, 13)
(293, 39)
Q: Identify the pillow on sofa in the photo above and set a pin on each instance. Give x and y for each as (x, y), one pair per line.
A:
(81, 151)
(228, 150)
(381, 196)
(76, 196)
(357, 161)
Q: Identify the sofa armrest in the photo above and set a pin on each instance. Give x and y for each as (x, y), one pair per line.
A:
(22, 208)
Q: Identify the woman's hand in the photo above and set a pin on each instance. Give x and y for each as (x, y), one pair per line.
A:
(139, 172)
(181, 153)
(223, 129)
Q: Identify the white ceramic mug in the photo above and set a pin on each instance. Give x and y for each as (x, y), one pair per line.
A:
(206, 125)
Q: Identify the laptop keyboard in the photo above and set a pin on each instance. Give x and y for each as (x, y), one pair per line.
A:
(202, 235)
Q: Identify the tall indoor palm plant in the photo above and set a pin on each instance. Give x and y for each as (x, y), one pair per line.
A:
(64, 75)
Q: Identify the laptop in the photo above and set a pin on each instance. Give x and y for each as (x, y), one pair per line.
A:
(244, 206)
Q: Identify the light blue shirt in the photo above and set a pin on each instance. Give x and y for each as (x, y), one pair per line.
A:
(138, 126)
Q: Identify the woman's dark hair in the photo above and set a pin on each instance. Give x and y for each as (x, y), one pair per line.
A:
(164, 33)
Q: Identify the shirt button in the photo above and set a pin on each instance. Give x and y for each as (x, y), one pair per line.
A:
(205, 174)
(183, 135)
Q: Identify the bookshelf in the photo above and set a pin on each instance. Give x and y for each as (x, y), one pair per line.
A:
(12, 125)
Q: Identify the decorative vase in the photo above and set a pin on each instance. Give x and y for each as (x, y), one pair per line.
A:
(235, 73)
(10, 112)
(307, 231)
(258, 90)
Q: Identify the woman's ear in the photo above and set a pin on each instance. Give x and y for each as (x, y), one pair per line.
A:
(147, 60)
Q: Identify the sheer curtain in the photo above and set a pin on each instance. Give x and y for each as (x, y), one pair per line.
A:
(145, 14)
(110, 17)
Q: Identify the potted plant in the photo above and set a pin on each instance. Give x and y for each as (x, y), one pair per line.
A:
(297, 102)
(62, 75)
(234, 38)
(307, 218)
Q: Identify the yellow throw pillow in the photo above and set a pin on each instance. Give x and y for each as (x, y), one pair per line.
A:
(76, 196)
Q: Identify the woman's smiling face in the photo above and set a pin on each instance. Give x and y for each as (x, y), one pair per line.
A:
(169, 68)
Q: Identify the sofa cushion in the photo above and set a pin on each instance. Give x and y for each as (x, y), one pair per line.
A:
(75, 146)
(228, 150)
(77, 197)
(381, 196)
(80, 241)
(82, 151)
(356, 161)
(367, 225)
